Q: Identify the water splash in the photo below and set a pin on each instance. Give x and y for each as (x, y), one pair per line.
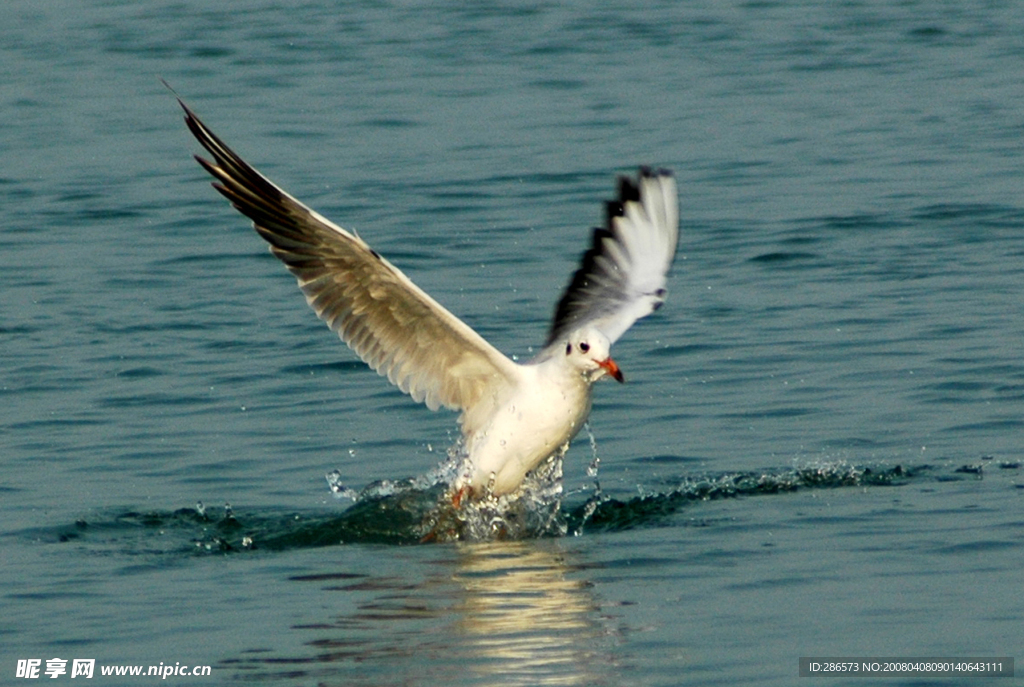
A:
(595, 460)
(587, 510)
(338, 488)
(420, 510)
(533, 510)
(647, 509)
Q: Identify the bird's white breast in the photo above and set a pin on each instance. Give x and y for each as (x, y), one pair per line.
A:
(540, 414)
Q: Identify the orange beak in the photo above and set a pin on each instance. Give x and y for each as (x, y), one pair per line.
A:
(612, 369)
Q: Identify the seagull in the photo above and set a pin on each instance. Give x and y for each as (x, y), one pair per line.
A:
(513, 415)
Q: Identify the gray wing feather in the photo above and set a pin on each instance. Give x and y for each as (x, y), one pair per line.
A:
(395, 327)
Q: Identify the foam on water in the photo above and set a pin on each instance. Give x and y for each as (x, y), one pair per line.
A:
(420, 510)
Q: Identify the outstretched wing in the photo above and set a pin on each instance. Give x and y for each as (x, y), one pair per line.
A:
(622, 277)
(389, 322)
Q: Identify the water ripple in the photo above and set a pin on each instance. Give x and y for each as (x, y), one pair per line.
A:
(411, 513)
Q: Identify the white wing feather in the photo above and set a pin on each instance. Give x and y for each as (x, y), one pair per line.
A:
(623, 275)
(395, 327)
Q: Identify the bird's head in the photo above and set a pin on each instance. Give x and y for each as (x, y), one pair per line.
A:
(589, 351)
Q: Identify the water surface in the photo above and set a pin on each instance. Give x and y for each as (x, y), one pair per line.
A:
(818, 450)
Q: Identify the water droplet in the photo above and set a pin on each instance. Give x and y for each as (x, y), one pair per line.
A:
(337, 487)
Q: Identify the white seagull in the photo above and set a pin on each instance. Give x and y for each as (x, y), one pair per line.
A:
(514, 415)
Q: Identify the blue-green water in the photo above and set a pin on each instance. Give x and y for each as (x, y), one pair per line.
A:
(819, 448)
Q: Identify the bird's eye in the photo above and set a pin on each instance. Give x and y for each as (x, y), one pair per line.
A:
(584, 346)
(568, 349)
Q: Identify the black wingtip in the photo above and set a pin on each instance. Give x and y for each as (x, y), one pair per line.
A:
(177, 97)
(190, 117)
(646, 172)
(628, 192)
(612, 209)
(629, 189)
(569, 308)
(580, 280)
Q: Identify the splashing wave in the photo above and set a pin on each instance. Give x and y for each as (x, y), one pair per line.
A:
(418, 511)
